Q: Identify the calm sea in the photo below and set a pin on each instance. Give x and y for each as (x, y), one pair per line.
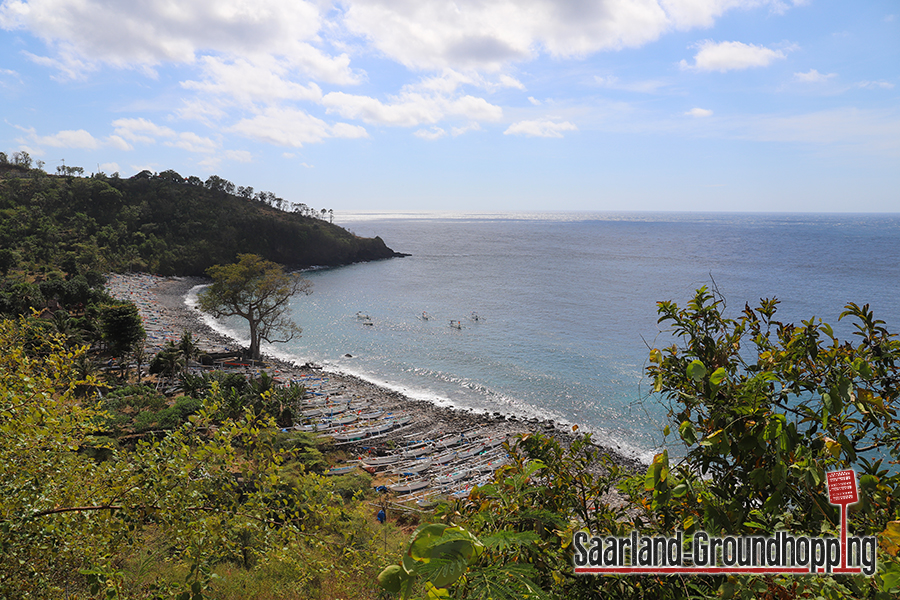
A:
(566, 302)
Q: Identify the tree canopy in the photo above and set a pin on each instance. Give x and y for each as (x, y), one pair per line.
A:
(160, 223)
(259, 291)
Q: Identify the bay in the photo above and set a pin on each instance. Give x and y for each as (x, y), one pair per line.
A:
(566, 302)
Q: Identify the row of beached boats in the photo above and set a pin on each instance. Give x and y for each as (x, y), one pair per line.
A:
(325, 411)
(448, 466)
(445, 465)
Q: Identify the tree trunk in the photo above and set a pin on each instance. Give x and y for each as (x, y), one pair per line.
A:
(254, 338)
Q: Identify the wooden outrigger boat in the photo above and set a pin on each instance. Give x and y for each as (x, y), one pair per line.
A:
(340, 470)
(407, 487)
(444, 458)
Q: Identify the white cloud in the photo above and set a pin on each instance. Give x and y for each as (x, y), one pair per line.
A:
(465, 129)
(435, 133)
(144, 131)
(612, 82)
(291, 127)
(415, 105)
(431, 34)
(141, 130)
(534, 101)
(239, 156)
(110, 167)
(127, 31)
(193, 143)
(473, 34)
(71, 138)
(67, 65)
(117, 142)
(7, 76)
(511, 82)
(540, 128)
(813, 76)
(875, 85)
(729, 56)
(699, 112)
(261, 79)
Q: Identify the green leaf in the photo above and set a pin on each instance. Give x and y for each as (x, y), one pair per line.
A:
(392, 578)
(696, 370)
(718, 376)
(423, 538)
(687, 433)
(891, 580)
(861, 366)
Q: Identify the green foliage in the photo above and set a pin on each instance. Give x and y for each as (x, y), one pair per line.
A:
(74, 506)
(256, 290)
(764, 409)
(156, 223)
(121, 327)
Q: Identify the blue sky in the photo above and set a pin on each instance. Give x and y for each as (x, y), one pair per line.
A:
(732, 105)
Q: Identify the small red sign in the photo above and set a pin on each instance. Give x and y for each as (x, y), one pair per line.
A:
(842, 487)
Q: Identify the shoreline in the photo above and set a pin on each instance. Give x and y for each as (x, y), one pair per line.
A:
(161, 302)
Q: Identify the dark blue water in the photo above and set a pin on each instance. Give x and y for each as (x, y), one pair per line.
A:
(567, 302)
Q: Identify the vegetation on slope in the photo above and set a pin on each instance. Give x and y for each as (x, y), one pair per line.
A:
(110, 489)
(162, 223)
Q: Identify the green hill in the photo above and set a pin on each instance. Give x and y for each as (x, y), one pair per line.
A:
(161, 223)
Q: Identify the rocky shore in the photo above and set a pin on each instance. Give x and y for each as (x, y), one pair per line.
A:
(166, 316)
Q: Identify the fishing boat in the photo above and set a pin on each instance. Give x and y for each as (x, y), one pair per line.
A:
(444, 458)
(381, 461)
(413, 468)
(349, 436)
(406, 487)
(451, 477)
(418, 451)
(340, 470)
(449, 440)
(370, 415)
(471, 450)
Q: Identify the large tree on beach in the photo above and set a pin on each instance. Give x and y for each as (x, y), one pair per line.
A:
(257, 290)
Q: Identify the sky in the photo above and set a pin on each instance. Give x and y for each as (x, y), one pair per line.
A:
(472, 105)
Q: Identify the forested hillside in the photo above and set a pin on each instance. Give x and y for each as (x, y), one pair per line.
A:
(162, 223)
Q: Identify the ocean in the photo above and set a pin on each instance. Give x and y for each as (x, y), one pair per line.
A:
(552, 315)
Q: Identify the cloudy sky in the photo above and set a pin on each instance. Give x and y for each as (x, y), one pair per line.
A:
(772, 105)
